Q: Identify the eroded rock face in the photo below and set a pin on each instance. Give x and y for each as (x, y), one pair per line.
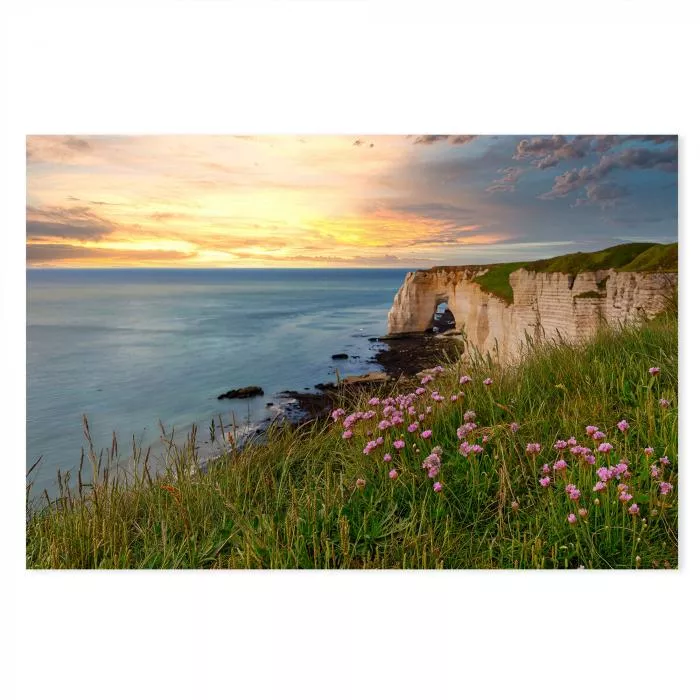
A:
(546, 306)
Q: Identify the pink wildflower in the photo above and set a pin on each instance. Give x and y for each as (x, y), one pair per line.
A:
(590, 459)
(428, 378)
(419, 391)
(545, 482)
(533, 448)
(437, 487)
(571, 518)
(572, 441)
(560, 445)
(387, 457)
(438, 369)
(665, 488)
(347, 434)
(590, 429)
(582, 512)
(572, 492)
(648, 451)
(399, 444)
(465, 379)
(380, 440)
(469, 416)
(605, 447)
(454, 397)
(337, 414)
(655, 471)
(633, 509)
(654, 371)
(426, 434)
(515, 505)
(374, 401)
(360, 483)
(605, 474)
(488, 381)
(393, 474)
(599, 435)
(600, 486)
(383, 424)
(664, 460)
(514, 427)
(559, 465)
(623, 425)
(412, 427)
(625, 496)
(546, 469)
(429, 409)
(664, 403)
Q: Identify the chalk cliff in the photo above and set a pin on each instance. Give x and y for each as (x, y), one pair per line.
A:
(546, 305)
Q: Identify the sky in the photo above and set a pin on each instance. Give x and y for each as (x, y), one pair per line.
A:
(342, 201)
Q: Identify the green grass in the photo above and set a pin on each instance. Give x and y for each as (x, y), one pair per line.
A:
(295, 502)
(496, 280)
(662, 258)
(628, 257)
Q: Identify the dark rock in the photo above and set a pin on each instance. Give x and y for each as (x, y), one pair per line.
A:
(410, 353)
(325, 387)
(269, 403)
(339, 356)
(374, 340)
(242, 393)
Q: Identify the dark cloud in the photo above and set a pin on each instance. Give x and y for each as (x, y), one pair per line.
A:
(456, 140)
(548, 151)
(604, 194)
(630, 159)
(38, 253)
(66, 222)
(459, 140)
(426, 139)
(506, 183)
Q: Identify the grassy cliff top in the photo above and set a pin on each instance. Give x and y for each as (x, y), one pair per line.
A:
(628, 257)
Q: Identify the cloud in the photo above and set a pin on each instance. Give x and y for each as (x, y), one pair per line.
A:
(79, 223)
(604, 194)
(665, 160)
(430, 139)
(459, 140)
(56, 148)
(40, 253)
(506, 183)
(548, 151)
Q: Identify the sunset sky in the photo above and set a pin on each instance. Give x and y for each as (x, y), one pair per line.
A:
(349, 201)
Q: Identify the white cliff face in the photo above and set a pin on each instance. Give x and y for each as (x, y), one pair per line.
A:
(546, 306)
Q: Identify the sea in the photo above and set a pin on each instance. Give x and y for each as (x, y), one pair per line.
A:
(131, 347)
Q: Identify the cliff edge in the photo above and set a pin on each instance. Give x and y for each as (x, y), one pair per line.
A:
(500, 308)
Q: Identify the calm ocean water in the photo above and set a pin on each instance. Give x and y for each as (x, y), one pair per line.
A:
(130, 347)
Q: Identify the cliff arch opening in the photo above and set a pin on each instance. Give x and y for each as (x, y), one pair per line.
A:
(443, 318)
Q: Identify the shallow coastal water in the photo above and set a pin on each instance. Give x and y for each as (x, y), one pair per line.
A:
(130, 347)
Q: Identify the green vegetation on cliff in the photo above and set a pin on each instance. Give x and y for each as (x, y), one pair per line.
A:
(507, 486)
(628, 257)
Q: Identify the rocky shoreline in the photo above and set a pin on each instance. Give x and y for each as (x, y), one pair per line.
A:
(400, 358)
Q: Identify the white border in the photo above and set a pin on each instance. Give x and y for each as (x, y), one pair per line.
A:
(344, 67)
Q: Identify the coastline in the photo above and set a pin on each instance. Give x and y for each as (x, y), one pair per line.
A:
(399, 358)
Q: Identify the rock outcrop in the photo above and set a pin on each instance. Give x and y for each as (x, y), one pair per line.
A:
(546, 305)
